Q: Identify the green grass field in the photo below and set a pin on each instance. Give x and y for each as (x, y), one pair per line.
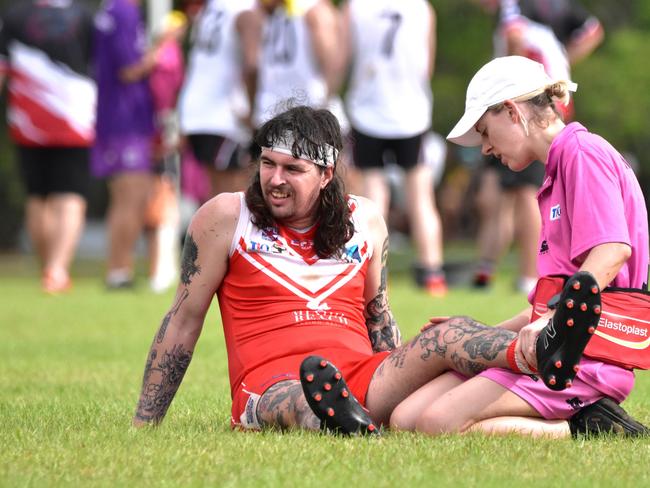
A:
(70, 372)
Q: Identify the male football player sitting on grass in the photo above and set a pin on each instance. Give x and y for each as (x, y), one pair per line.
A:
(299, 270)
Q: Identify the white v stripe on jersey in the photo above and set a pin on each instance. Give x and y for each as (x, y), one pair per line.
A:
(314, 299)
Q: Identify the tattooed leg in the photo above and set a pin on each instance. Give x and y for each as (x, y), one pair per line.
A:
(460, 344)
(283, 405)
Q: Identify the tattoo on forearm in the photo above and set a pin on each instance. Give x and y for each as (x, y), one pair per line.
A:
(383, 285)
(160, 383)
(147, 367)
(382, 329)
(170, 314)
(190, 254)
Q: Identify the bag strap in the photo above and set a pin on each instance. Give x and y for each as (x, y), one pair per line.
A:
(643, 290)
(620, 289)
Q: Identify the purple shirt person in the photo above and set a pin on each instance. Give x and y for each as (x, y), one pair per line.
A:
(123, 152)
(125, 116)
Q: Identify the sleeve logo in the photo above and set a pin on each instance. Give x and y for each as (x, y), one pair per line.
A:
(555, 212)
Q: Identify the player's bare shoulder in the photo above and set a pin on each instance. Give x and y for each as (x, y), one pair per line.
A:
(217, 219)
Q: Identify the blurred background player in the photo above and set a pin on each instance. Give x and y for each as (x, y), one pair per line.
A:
(125, 128)
(216, 97)
(162, 217)
(45, 48)
(389, 103)
(301, 56)
(526, 25)
(555, 34)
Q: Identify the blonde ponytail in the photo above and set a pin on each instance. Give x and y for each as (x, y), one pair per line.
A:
(560, 91)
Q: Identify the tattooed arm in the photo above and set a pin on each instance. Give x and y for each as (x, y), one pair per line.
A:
(382, 329)
(204, 264)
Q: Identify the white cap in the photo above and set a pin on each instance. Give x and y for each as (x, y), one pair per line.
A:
(501, 79)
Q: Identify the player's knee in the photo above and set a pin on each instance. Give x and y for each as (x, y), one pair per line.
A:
(435, 421)
(403, 418)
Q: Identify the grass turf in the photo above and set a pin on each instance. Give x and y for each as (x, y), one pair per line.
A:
(70, 373)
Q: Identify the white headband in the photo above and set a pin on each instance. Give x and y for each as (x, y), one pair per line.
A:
(285, 144)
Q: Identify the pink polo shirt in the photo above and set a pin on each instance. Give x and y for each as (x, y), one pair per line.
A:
(590, 196)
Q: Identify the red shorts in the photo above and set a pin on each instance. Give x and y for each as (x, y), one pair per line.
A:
(357, 369)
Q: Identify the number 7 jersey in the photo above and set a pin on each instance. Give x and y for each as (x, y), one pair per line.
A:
(390, 92)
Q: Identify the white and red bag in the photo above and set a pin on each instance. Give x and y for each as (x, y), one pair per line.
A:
(623, 333)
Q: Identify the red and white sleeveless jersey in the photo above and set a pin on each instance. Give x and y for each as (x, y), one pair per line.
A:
(279, 298)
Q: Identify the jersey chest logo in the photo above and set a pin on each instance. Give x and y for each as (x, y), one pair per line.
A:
(311, 279)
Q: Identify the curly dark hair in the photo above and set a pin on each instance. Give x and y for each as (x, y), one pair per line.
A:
(311, 129)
